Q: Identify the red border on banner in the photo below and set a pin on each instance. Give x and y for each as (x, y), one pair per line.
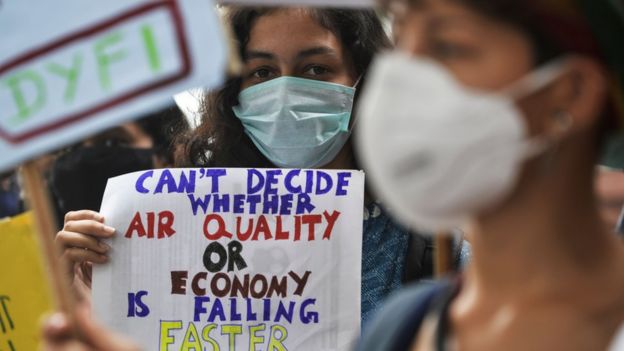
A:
(183, 72)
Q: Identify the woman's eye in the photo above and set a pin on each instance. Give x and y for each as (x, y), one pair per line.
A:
(445, 50)
(316, 71)
(262, 73)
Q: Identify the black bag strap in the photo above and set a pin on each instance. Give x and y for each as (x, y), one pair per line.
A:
(419, 259)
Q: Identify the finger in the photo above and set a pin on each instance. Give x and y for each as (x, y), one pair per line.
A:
(71, 239)
(83, 214)
(90, 227)
(56, 327)
(76, 254)
(99, 337)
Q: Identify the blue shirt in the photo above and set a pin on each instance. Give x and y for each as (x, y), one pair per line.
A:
(384, 251)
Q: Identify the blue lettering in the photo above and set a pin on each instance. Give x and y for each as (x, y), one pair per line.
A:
(281, 311)
(199, 307)
(320, 176)
(199, 203)
(251, 175)
(140, 187)
(304, 204)
(343, 181)
(288, 181)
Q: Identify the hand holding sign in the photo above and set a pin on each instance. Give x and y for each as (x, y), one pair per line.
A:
(80, 238)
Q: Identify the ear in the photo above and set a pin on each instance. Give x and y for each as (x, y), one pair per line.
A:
(576, 100)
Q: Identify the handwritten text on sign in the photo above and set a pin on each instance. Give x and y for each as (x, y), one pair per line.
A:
(96, 65)
(245, 259)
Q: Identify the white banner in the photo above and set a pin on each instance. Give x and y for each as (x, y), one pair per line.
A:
(71, 68)
(233, 259)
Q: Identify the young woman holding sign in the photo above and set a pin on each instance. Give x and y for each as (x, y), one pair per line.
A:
(495, 112)
(309, 61)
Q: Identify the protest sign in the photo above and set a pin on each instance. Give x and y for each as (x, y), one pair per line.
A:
(70, 68)
(233, 259)
(24, 293)
(320, 3)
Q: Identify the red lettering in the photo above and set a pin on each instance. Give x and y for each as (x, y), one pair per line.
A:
(150, 225)
(297, 228)
(165, 224)
(331, 220)
(262, 227)
(136, 225)
(279, 233)
(243, 236)
(311, 221)
(220, 232)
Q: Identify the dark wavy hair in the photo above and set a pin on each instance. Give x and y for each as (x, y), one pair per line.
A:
(220, 141)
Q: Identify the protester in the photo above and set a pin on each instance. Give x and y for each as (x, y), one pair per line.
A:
(494, 115)
(292, 108)
(79, 174)
(297, 62)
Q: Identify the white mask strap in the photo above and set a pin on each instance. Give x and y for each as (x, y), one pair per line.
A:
(536, 80)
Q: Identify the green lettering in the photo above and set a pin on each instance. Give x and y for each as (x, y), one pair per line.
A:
(105, 59)
(15, 84)
(70, 74)
(150, 47)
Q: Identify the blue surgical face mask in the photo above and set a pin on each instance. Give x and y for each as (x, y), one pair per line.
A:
(295, 122)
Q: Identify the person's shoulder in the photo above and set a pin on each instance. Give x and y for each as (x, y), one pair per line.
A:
(400, 317)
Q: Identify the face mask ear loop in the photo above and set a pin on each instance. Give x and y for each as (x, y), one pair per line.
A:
(357, 82)
(537, 80)
(355, 120)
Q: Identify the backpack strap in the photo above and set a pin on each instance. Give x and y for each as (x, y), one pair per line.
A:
(394, 327)
(419, 258)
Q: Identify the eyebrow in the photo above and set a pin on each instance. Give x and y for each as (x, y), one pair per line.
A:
(319, 50)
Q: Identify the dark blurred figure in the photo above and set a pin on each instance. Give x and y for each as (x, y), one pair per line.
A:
(78, 176)
(10, 202)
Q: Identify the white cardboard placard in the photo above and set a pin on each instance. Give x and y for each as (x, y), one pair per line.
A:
(246, 259)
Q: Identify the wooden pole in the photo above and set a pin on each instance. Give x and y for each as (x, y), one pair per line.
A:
(39, 202)
(443, 254)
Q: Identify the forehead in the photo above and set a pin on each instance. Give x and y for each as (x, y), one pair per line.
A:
(287, 28)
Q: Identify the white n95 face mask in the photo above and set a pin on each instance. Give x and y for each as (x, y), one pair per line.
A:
(439, 153)
(296, 122)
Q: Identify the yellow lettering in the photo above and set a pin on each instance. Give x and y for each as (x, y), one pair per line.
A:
(253, 338)
(165, 338)
(206, 334)
(275, 343)
(232, 331)
(191, 339)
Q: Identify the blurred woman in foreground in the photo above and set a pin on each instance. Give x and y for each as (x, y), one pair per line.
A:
(494, 115)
